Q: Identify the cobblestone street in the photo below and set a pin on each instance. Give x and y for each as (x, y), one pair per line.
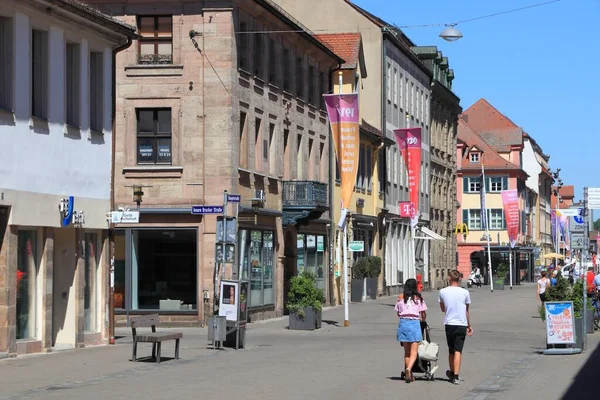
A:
(502, 361)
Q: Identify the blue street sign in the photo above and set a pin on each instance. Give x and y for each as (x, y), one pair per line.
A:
(579, 218)
(199, 210)
(234, 198)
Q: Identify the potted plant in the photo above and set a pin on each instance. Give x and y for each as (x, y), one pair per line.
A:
(500, 276)
(305, 302)
(373, 276)
(360, 271)
(576, 296)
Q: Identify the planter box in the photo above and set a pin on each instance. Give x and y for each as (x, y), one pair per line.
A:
(498, 286)
(310, 321)
(372, 288)
(579, 333)
(590, 322)
(356, 290)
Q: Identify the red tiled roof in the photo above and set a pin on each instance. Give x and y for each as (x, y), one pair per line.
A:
(482, 116)
(567, 191)
(489, 157)
(345, 45)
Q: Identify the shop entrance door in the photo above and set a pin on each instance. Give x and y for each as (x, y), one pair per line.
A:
(63, 298)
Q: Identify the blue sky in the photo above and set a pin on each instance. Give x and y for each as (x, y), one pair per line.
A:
(540, 67)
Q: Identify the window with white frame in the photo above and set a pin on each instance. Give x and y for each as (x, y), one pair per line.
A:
(401, 90)
(388, 82)
(406, 95)
(96, 91)
(496, 219)
(473, 184)
(496, 184)
(6, 63)
(395, 86)
(474, 219)
(39, 74)
(72, 84)
(474, 157)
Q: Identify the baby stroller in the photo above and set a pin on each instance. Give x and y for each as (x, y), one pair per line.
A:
(427, 356)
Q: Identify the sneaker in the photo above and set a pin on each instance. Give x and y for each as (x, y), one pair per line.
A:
(449, 375)
(456, 381)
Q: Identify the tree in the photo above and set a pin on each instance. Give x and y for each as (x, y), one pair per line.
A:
(597, 224)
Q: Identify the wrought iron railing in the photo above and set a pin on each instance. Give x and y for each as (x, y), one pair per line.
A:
(155, 59)
(309, 194)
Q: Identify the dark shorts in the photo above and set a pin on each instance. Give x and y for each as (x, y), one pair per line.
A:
(543, 297)
(455, 335)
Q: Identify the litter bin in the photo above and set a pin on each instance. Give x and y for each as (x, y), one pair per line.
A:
(217, 329)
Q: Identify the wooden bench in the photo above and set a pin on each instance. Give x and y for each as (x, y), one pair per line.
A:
(156, 338)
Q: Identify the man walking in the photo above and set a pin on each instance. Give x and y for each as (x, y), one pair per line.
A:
(454, 302)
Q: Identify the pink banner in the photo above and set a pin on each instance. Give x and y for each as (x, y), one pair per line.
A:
(510, 200)
(409, 142)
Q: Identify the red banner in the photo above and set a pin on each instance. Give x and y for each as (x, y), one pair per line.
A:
(510, 201)
(409, 142)
(342, 110)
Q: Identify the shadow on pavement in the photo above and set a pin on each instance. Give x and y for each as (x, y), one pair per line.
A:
(329, 322)
(584, 385)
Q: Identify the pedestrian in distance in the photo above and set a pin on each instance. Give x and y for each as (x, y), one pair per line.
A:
(454, 303)
(411, 309)
(542, 283)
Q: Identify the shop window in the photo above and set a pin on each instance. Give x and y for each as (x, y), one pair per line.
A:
(156, 40)
(154, 136)
(365, 236)
(90, 289)
(310, 256)
(257, 258)
(96, 91)
(119, 269)
(26, 284)
(164, 270)
(39, 74)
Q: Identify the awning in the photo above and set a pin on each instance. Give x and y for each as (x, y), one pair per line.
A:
(430, 235)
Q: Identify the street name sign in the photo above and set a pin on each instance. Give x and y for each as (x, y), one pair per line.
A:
(201, 210)
(125, 217)
(234, 198)
(593, 200)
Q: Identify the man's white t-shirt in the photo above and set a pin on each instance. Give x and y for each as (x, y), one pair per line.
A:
(455, 300)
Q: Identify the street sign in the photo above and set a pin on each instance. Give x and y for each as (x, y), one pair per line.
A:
(593, 200)
(356, 245)
(234, 198)
(200, 210)
(571, 212)
(125, 217)
(246, 219)
(227, 232)
(577, 241)
(224, 253)
(575, 226)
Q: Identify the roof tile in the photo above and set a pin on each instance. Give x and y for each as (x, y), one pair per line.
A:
(345, 45)
(490, 157)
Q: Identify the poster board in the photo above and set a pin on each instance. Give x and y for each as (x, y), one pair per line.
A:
(560, 322)
(244, 301)
(229, 299)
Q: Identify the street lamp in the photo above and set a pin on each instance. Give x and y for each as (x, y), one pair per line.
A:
(137, 195)
(451, 34)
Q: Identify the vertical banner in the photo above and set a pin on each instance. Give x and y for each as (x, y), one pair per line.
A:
(409, 142)
(342, 110)
(563, 221)
(554, 227)
(483, 211)
(510, 201)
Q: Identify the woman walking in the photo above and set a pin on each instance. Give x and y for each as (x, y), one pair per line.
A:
(542, 283)
(411, 310)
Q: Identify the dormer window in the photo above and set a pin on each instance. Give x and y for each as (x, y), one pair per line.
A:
(474, 157)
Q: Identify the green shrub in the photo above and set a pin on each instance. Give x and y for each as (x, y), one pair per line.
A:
(502, 271)
(361, 268)
(304, 293)
(564, 292)
(374, 266)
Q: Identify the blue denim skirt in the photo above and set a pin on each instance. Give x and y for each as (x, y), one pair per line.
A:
(409, 330)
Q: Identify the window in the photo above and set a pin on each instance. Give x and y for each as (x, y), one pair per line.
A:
(273, 64)
(473, 219)
(496, 218)
(299, 77)
(312, 171)
(272, 151)
(365, 236)
(474, 157)
(472, 184)
(96, 92)
(39, 74)
(321, 90)
(412, 99)
(243, 46)
(382, 171)
(286, 70)
(243, 156)
(300, 158)
(258, 150)
(72, 87)
(369, 167)
(257, 258)
(27, 270)
(6, 63)
(163, 269)
(360, 176)
(90, 290)
(395, 86)
(258, 53)
(154, 136)
(496, 184)
(310, 256)
(388, 82)
(156, 41)
(286, 154)
(311, 85)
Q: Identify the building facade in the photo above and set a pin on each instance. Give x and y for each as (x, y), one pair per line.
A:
(209, 101)
(398, 85)
(445, 109)
(56, 66)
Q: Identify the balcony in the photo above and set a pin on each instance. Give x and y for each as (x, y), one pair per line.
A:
(155, 59)
(303, 201)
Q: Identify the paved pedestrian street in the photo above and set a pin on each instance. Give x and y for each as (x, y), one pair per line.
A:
(502, 361)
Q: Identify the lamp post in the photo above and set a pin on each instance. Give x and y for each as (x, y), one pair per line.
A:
(556, 192)
(451, 34)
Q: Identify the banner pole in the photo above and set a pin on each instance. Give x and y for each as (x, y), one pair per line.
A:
(413, 252)
(487, 233)
(510, 262)
(345, 239)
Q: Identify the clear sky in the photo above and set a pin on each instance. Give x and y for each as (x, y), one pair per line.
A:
(540, 67)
